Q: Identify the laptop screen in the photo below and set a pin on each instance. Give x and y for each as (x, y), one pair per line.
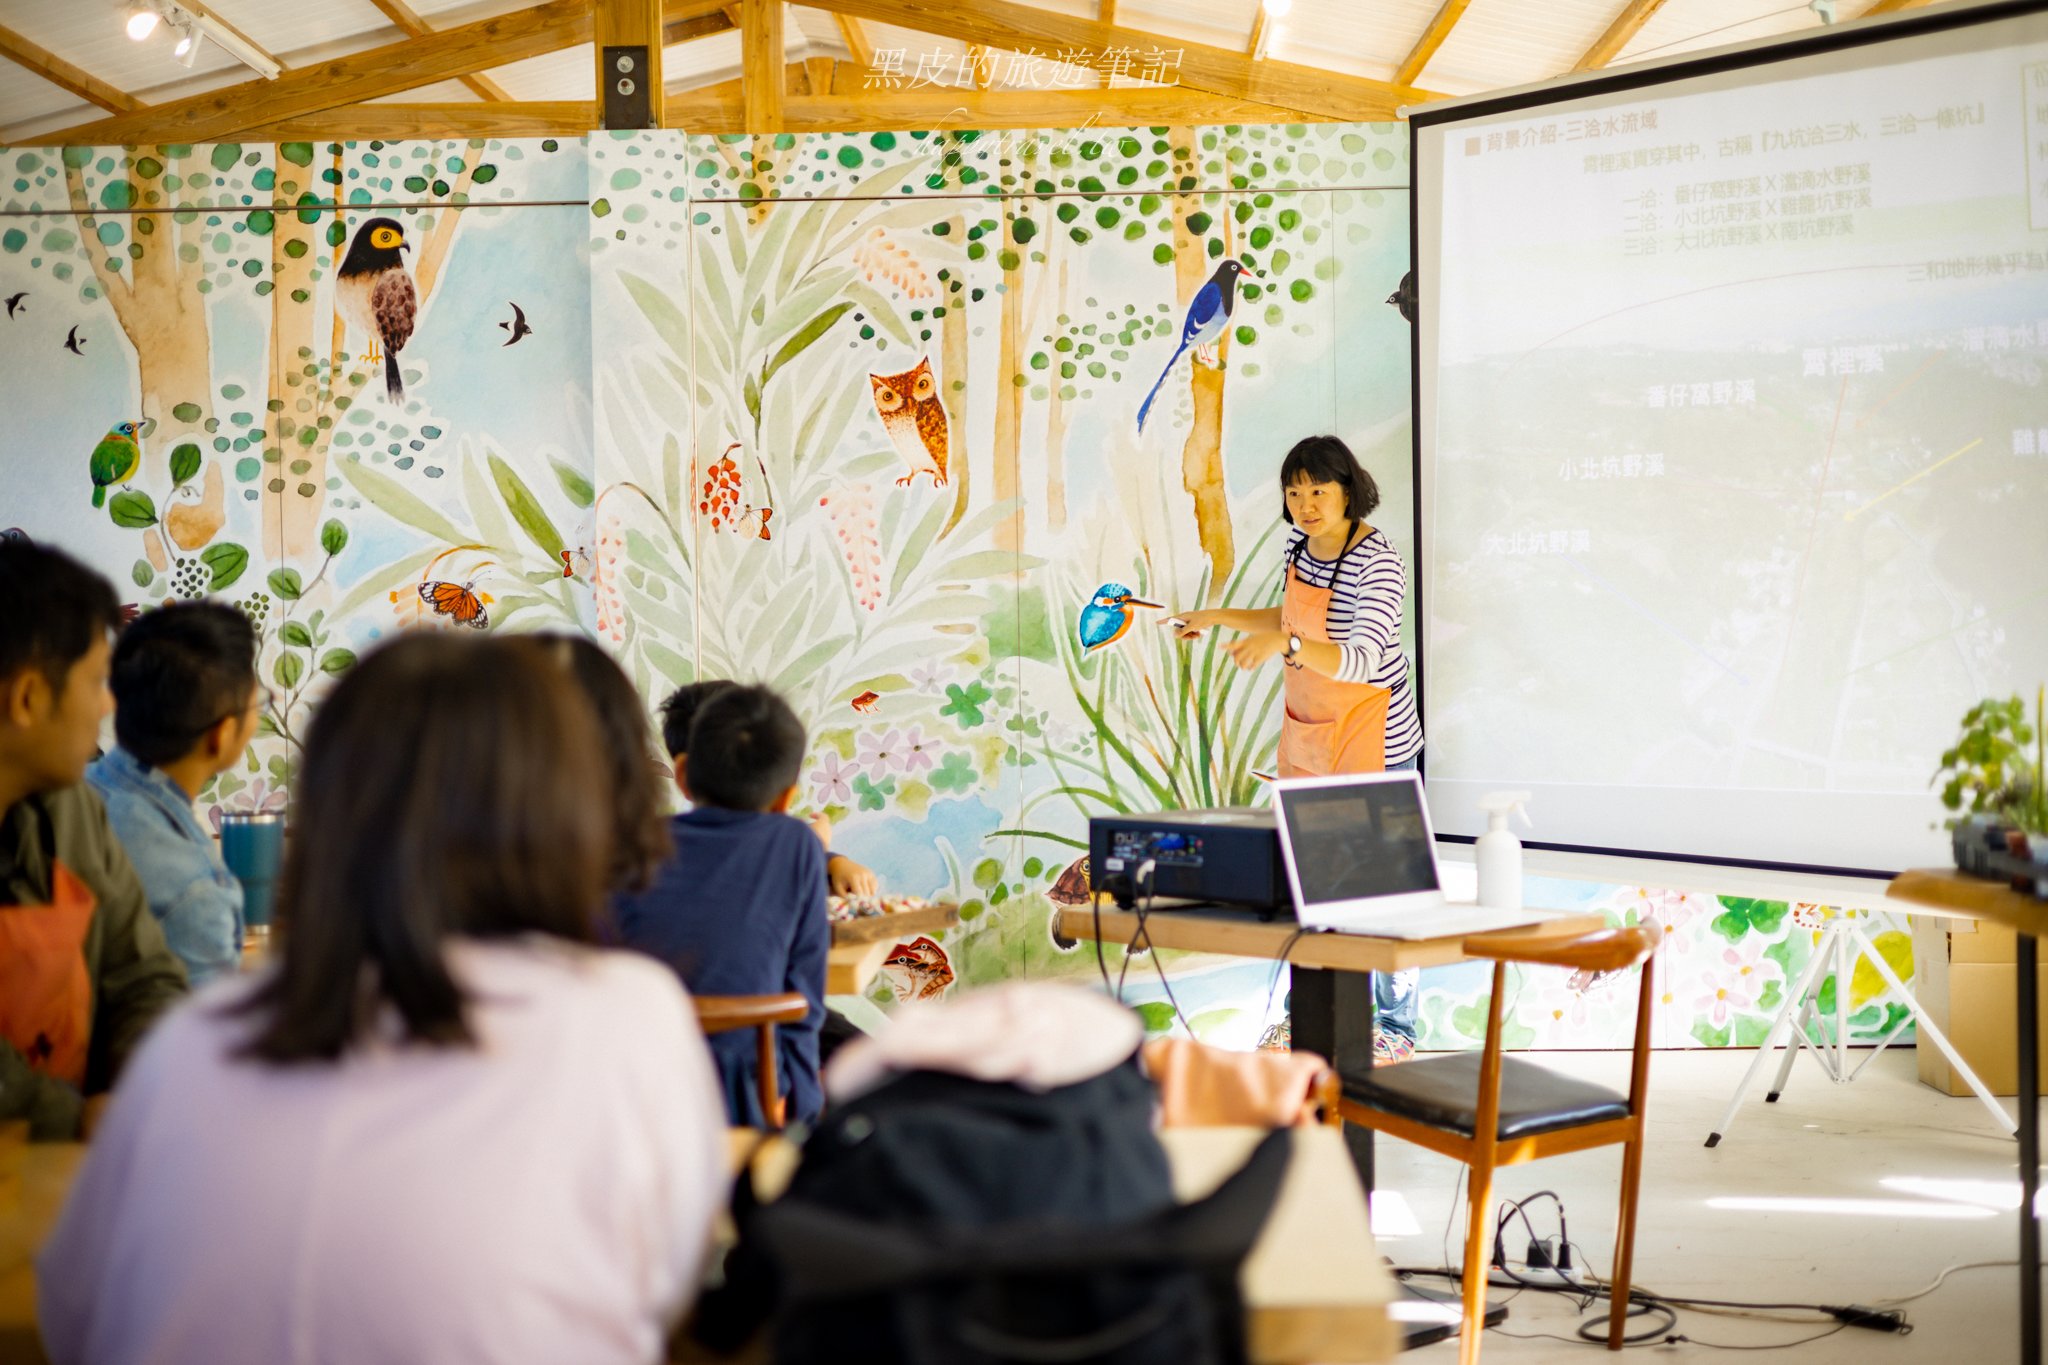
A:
(1356, 840)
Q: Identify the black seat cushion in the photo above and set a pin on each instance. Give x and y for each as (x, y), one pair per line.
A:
(1443, 1092)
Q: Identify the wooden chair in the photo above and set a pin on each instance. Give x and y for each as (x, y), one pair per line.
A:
(723, 1013)
(1488, 1111)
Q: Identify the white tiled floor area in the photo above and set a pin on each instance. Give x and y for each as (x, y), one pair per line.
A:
(1898, 1182)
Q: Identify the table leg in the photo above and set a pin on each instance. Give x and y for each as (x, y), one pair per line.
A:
(2030, 1157)
(1332, 1015)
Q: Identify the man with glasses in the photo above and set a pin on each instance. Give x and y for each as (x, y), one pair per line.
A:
(186, 703)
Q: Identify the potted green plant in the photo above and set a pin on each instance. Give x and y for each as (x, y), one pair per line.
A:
(2025, 807)
(1979, 777)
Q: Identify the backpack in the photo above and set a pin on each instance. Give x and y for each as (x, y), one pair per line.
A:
(944, 1219)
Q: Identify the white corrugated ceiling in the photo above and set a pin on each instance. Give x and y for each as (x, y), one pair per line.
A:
(1497, 43)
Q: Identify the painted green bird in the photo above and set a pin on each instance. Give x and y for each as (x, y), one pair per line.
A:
(115, 460)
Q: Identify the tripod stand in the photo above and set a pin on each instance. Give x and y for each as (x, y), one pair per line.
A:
(1842, 945)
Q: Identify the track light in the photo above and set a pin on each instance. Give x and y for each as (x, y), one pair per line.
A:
(1277, 9)
(187, 49)
(142, 21)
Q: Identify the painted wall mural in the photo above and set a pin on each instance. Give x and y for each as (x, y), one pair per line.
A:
(929, 431)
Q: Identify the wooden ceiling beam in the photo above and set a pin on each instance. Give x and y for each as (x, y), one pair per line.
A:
(1619, 34)
(1432, 38)
(857, 45)
(763, 82)
(412, 26)
(388, 70)
(1219, 71)
(719, 108)
(1255, 41)
(1105, 13)
(394, 122)
(629, 23)
(59, 72)
(1892, 7)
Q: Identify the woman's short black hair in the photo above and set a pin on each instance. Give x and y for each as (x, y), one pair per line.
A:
(178, 672)
(1325, 459)
(453, 786)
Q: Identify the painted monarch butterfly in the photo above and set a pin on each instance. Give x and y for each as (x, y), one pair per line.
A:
(456, 600)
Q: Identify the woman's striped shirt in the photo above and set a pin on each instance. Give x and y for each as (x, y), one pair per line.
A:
(1366, 600)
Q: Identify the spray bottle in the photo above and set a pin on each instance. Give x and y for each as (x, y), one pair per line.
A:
(1500, 852)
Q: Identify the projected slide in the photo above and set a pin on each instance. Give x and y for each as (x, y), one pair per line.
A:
(1737, 465)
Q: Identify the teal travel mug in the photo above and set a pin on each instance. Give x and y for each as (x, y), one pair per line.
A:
(252, 845)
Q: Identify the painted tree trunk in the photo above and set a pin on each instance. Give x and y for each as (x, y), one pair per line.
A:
(292, 500)
(1009, 433)
(1056, 423)
(953, 389)
(1201, 457)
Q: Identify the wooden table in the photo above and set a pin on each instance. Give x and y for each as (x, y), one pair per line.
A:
(34, 1178)
(1315, 1288)
(1332, 1004)
(1947, 890)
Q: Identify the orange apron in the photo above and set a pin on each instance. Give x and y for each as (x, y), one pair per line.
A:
(1331, 726)
(45, 991)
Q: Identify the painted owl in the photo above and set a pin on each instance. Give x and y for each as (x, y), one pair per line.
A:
(909, 406)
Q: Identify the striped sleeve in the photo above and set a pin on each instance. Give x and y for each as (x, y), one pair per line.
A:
(1365, 608)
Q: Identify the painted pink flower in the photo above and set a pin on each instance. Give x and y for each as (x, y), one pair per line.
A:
(1670, 911)
(1732, 984)
(881, 753)
(831, 777)
(259, 796)
(917, 750)
(931, 677)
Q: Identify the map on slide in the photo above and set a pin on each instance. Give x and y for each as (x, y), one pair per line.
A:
(1740, 434)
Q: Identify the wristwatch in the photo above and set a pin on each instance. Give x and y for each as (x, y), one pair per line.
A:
(1293, 648)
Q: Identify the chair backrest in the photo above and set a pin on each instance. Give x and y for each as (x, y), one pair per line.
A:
(1603, 950)
(723, 1013)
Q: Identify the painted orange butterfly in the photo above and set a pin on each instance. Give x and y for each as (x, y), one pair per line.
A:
(455, 600)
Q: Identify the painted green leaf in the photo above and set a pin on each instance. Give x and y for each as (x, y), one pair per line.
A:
(987, 873)
(132, 510)
(295, 633)
(526, 509)
(400, 503)
(142, 573)
(337, 661)
(184, 463)
(574, 483)
(288, 669)
(803, 337)
(286, 584)
(333, 537)
(227, 560)
(1158, 1016)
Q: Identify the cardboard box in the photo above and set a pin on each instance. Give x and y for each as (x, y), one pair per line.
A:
(1972, 999)
(1976, 940)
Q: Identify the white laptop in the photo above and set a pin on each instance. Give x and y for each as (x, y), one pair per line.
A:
(1361, 859)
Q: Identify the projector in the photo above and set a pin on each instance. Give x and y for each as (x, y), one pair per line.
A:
(1229, 855)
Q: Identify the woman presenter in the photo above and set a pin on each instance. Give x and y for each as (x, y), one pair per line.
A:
(1337, 631)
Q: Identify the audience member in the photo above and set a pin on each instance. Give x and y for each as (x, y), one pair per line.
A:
(636, 778)
(84, 970)
(441, 1126)
(186, 702)
(740, 907)
(843, 876)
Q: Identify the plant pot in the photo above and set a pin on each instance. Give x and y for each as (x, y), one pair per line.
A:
(2016, 845)
(2038, 845)
(1975, 837)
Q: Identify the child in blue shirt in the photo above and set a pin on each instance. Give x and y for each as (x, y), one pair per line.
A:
(186, 702)
(740, 908)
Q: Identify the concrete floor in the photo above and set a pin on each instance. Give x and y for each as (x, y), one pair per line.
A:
(1907, 1181)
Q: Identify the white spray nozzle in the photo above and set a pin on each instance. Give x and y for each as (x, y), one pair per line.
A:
(1498, 806)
